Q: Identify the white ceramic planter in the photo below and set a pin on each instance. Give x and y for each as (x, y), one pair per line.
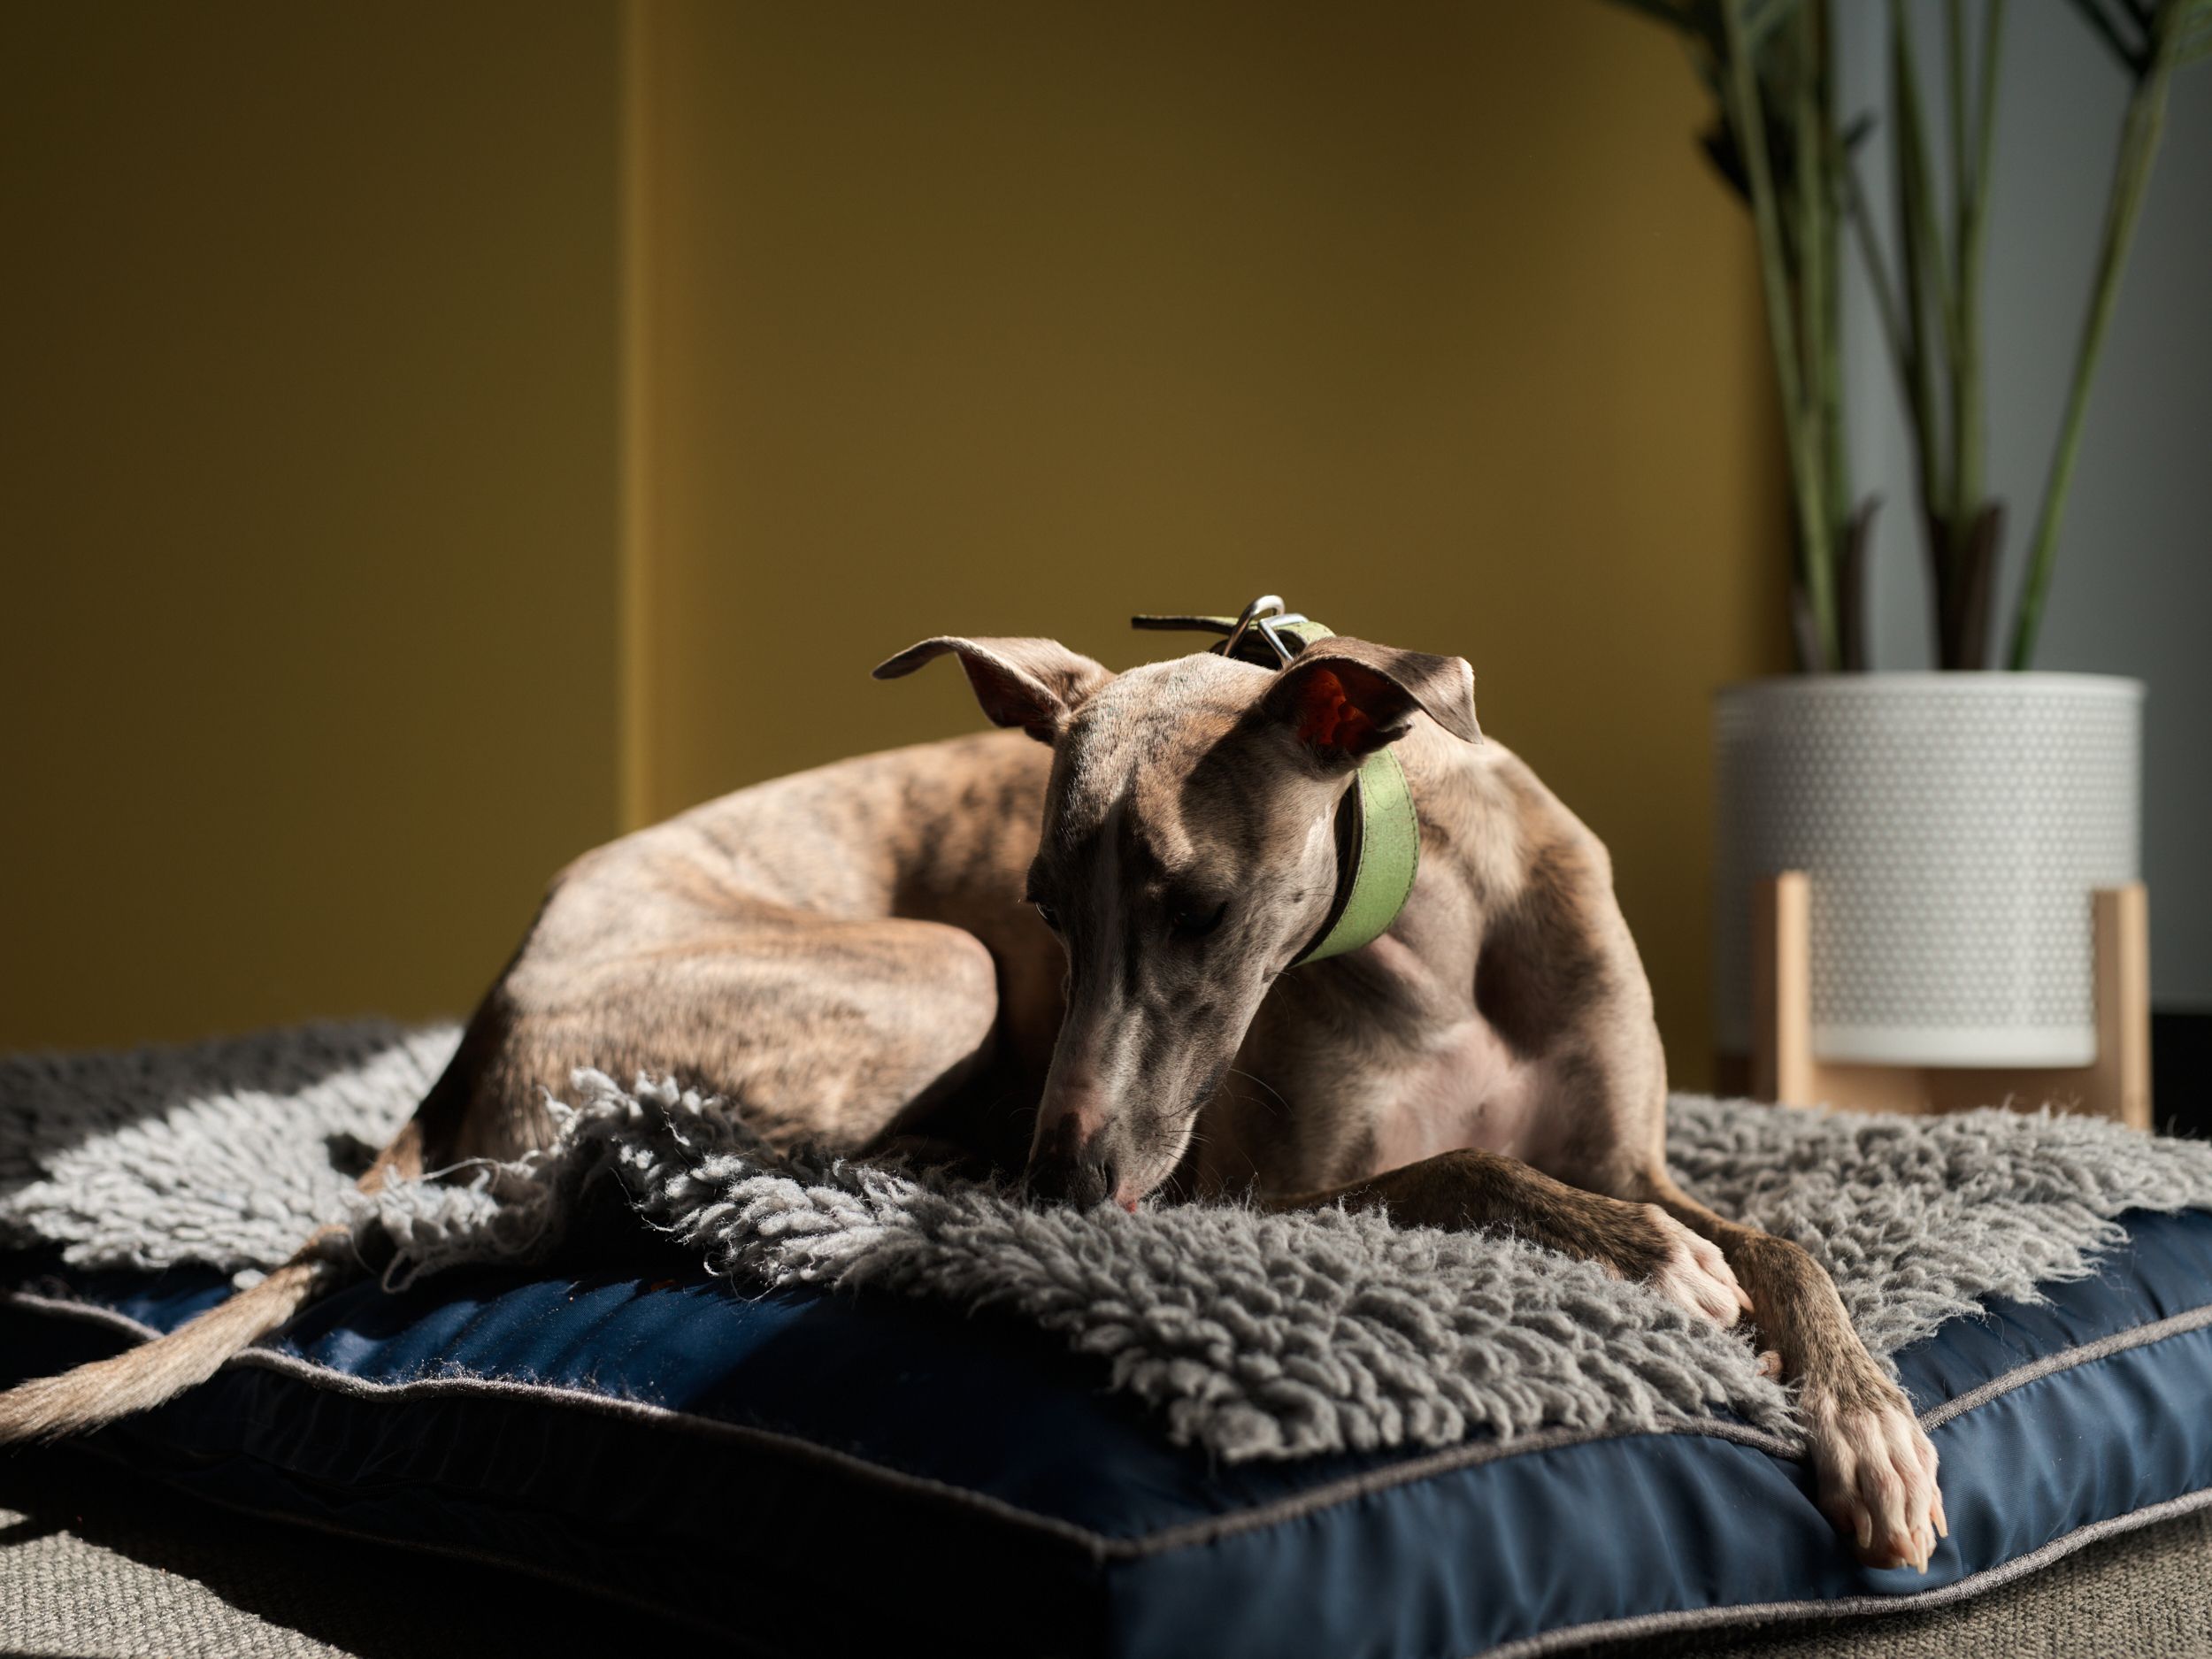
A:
(1953, 827)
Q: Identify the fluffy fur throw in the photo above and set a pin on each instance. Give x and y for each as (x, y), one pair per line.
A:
(1252, 1335)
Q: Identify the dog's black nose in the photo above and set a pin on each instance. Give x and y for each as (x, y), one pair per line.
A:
(1081, 1178)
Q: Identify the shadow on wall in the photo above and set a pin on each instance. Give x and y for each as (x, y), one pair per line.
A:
(723, 352)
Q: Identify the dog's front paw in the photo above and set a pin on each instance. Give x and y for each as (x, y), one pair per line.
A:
(1692, 1273)
(1876, 1474)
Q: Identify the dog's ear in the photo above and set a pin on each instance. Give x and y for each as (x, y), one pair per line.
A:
(1034, 683)
(1345, 698)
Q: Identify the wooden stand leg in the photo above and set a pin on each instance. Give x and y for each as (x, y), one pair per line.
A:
(1784, 1068)
(1782, 990)
(2123, 1068)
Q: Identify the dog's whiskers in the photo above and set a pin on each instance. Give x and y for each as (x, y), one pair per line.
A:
(1237, 1071)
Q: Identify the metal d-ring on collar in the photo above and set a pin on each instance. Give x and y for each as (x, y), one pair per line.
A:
(1378, 835)
(1264, 632)
(1267, 614)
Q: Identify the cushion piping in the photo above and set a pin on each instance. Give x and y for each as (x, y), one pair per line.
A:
(2066, 1359)
(1746, 1617)
(1101, 1546)
(90, 1312)
(1097, 1545)
(1761, 1613)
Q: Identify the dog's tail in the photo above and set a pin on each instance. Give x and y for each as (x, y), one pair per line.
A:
(49, 1407)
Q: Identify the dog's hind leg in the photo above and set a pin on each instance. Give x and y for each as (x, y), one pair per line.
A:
(1875, 1468)
(821, 1030)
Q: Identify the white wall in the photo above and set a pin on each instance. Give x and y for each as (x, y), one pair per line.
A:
(2132, 594)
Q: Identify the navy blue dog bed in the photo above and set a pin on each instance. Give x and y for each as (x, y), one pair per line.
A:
(810, 1472)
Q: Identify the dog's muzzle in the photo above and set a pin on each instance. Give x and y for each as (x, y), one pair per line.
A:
(1064, 1170)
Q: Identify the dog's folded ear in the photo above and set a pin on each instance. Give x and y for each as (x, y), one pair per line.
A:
(1346, 698)
(1034, 683)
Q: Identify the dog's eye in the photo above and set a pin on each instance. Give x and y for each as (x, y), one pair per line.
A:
(1196, 924)
(1046, 914)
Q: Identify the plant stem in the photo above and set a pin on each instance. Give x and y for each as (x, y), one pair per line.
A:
(1745, 115)
(1992, 37)
(1973, 242)
(1913, 126)
(1926, 289)
(1954, 67)
(1966, 401)
(1821, 286)
(1876, 276)
(1812, 316)
(1920, 257)
(2138, 149)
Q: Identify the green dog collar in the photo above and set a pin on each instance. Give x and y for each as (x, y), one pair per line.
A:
(1385, 854)
(1378, 835)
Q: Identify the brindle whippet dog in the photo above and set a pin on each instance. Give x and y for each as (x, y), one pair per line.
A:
(1063, 948)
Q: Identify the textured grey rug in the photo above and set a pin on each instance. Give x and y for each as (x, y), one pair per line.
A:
(1254, 1335)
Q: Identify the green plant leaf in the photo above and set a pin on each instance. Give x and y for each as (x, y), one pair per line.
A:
(2193, 23)
(2123, 33)
(1762, 18)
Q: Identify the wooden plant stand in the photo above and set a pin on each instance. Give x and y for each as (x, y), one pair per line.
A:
(2117, 1084)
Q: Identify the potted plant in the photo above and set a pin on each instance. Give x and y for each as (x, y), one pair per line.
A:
(1955, 822)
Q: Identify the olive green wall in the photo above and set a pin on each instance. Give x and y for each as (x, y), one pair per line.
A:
(445, 436)
(307, 492)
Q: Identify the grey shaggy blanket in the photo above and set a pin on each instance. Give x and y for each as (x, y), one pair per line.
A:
(1252, 1335)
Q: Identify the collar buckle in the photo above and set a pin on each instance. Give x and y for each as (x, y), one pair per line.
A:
(1265, 632)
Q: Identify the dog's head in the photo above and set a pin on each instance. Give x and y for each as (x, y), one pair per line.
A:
(1188, 857)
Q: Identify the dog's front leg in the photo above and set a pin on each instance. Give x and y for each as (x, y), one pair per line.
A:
(1874, 1466)
(1469, 1188)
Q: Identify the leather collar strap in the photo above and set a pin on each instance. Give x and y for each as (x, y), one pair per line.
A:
(1384, 852)
(1378, 835)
